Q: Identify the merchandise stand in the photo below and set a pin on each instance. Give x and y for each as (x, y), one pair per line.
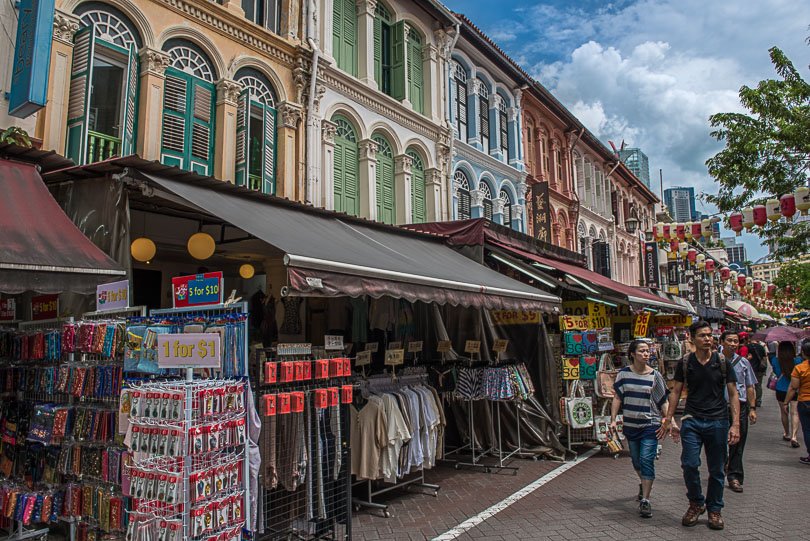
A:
(502, 458)
(476, 454)
(387, 383)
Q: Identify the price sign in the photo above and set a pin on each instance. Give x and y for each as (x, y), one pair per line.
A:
(574, 323)
(394, 357)
(395, 345)
(373, 347)
(197, 289)
(192, 350)
(672, 320)
(570, 368)
(114, 296)
(472, 346)
(8, 309)
(444, 346)
(333, 342)
(44, 307)
(500, 346)
(515, 317)
(363, 358)
(642, 325)
(597, 315)
(587, 367)
(415, 347)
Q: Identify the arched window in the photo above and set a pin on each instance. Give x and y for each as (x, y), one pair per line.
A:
(383, 53)
(266, 13)
(347, 185)
(188, 109)
(560, 180)
(256, 132)
(101, 124)
(503, 128)
(487, 201)
(483, 115)
(414, 70)
(460, 86)
(386, 204)
(463, 183)
(418, 191)
(344, 35)
(507, 208)
(530, 144)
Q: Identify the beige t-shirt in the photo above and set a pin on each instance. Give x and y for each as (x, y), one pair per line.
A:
(396, 436)
(369, 434)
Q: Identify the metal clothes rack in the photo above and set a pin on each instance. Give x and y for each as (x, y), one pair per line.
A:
(386, 383)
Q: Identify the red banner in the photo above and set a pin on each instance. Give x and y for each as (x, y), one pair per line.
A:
(197, 289)
(8, 309)
(44, 307)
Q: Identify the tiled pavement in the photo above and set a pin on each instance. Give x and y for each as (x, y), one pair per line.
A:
(596, 499)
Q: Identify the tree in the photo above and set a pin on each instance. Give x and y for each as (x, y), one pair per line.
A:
(796, 275)
(767, 152)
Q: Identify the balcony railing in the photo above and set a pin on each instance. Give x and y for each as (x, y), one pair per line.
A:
(102, 147)
(255, 182)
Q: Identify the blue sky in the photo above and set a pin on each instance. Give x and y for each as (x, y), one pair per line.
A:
(650, 72)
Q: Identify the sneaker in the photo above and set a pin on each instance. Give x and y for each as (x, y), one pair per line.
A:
(805, 460)
(640, 493)
(690, 518)
(716, 521)
(645, 509)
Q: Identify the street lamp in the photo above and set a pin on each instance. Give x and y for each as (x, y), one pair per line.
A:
(631, 224)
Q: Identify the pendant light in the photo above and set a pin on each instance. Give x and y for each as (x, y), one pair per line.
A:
(201, 245)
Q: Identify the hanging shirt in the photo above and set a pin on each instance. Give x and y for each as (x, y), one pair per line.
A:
(397, 435)
(369, 435)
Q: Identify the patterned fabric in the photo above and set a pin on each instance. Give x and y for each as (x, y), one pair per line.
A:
(494, 383)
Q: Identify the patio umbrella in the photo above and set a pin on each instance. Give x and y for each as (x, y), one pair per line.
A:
(744, 309)
(781, 333)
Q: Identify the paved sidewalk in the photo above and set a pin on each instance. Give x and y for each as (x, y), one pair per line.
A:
(596, 499)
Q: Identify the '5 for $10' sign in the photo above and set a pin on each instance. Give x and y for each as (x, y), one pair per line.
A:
(192, 350)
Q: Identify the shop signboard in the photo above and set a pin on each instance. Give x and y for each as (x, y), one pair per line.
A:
(515, 317)
(8, 309)
(673, 276)
(32, 58)
(587, 367)
(642, 325)
(541, 209)
(580, 343)
(672, 320)
(44, 307)
(113, 296)
(652, 276)
(197, 289)
(574, 323)
(570, 368)
(597, 315)
(189, 350)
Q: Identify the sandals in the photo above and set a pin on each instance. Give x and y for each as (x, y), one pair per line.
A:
(785, 437)
(794, 444)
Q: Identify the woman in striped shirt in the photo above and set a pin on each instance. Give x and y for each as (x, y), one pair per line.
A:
(641, 398)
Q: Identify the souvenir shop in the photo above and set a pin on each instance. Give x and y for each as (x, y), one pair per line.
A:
(375, 353)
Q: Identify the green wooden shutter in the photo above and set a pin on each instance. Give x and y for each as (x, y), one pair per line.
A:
(81, 84)
(130, 103)
(378, 51)
(175, 106)
(386, 195)
(202, 127)
(348, 54)
(418, 192)
(351, 181)
(242, 137)
(269, 170)
(340, 174)
(188, 123)
(398, 78)
(337, 31)
(415, 71)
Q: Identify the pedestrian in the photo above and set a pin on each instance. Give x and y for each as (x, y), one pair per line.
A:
(746, 391)
(641, 397)
(782, 363)
(705, 423)
(756, 356)
(800, 385)
(742, 350)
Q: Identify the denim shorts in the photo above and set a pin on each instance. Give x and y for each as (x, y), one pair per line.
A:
(643, 452)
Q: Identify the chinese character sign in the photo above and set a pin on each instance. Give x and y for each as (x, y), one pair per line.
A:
(540, 212)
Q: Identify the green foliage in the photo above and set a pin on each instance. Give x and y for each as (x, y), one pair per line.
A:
(15, 135)
(767, 152)
(796, 274)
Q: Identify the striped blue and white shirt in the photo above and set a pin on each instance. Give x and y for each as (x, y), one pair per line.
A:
(642, 398)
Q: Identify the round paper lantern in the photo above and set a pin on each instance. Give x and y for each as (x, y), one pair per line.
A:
(774, 209)
(680, 231)
(142, 249)
(673, 246)
(201, 245)
(749, 283)
(687, 230)
(701, 261)
(696, 230)
(802, 197)
(735, 222)
(787, 205)
(659, 231)
(683, 249)
(771, 290)
(760, 215)
(247, 271)
(741, 281)
(748, 218)
(757, 286)
(706, 228)
(725, 274)
(691, 255)
(710, 264)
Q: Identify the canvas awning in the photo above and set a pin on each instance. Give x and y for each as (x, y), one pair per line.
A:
(328, 254)
(41, 249)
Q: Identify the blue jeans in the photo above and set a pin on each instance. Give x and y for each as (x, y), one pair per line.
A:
(713, 435)
(643, 452)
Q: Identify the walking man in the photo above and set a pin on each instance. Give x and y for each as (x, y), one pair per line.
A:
(746, 381)
(705, 423)
(759, 362)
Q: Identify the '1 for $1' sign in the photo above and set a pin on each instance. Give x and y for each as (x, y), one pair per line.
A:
(192, 350)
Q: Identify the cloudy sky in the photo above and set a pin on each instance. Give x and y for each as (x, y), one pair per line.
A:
(650, 72)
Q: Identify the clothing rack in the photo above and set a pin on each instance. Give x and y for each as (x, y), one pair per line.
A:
(381, 384)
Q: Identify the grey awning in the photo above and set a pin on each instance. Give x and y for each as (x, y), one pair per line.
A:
(329, 254)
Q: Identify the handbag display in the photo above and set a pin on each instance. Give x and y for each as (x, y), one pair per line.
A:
(601, 425)
(605, 378)
(772, 379)
(578, 407)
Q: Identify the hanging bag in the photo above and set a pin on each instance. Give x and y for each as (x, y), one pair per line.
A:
(579, 408)
(601, 425)
(772, 379)
(605, 377)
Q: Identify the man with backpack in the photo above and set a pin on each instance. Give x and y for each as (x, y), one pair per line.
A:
(705, 423)
(759, 362)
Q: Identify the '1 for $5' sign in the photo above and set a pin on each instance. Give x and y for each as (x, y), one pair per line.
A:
(192, 350)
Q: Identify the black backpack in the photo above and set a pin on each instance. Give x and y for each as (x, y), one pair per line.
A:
(714, 358)
(757, 357)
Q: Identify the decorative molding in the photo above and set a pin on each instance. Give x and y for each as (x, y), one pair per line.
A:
(517, 211)
(430, 53)
(522, 189)
(512, 113)
(476, 198)
(473, 86)
(154, 62)
(300, 78)
(433, 177)
(290, 114)
(65, 27)
(328, 132)
(445, 43)
(497, 205)
(366, 7)
(228, 91)
(368, 149)
(403, 164)
(518, 95)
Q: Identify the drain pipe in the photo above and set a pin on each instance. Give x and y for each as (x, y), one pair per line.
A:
(313, 134)
(449, 172)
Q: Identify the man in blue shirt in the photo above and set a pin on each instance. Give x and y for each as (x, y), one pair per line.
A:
(746, 390)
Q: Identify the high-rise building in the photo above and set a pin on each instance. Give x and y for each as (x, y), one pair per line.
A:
(681, 203)
(637, 162)
(737, 254)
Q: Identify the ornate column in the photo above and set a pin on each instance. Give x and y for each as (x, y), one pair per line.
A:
(289, 118)
(51, 124)
(402, 188)
(497, 211)
(368, 179)
(519, 218)
(225, 141)
(518, 122)
(476, 203)
(495, 101)
(326, 194)
(514, 132)
(473, 86)
(433, 194)
(365, 41)
(431, 82)
(150, 103)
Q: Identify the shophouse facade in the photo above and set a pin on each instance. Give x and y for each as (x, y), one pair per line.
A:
(485, 91)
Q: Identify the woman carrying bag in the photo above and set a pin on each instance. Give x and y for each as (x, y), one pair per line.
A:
(641, 398)
(800, 387)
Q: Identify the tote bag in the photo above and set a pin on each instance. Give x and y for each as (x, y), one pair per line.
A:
(601, 425)
(579, 408)
(605, 377)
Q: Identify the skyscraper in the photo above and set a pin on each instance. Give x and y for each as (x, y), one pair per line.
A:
(737, 254)
(637, 162)
(681, 203)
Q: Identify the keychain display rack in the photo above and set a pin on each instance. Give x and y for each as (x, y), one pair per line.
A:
(305, 444)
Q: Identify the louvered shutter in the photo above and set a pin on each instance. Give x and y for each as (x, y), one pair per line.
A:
(415, 74)
(175, 107)
(130, 103)
(483, 116)
(269, 168)
(242, 137)
(349, 45)
(488, 209)
(507, 214)
(202, 123)
(378, 52)
(340, 175)
(388, 191)
(351, 182)
(464, 212)
(337, 31)
(461, 110)
(81, 84)
(398, 66)
(504, 134)
(418, 205)
(580, 172)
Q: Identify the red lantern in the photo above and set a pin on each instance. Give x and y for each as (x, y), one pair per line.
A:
(725, 274)
(667, 232)
(680, 231)
(735, 222)
(696, 230)
(757, 287)
(760, 215)
(771, 290)
(710, 265)
(740, 281)
(691, 255)
(787, 205)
